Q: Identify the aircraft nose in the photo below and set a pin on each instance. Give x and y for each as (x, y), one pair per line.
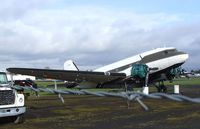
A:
(184, 56)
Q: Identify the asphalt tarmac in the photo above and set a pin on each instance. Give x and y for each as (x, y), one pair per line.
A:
(90, 112)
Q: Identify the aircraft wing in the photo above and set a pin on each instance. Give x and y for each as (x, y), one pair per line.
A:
(67, 75)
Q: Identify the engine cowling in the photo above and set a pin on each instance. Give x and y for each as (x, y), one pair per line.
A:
(139, 71)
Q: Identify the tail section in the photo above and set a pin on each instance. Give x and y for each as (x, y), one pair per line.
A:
(70, 65)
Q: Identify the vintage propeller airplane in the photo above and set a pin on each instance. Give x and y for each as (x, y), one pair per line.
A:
(133, 70)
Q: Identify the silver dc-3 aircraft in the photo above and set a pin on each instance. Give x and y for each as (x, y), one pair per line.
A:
(163, 61)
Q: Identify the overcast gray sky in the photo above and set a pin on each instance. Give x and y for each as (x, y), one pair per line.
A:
(40, 33)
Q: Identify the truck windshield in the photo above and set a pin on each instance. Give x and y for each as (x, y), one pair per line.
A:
(3, 78)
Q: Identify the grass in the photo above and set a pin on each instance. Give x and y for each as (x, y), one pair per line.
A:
(47, 83)
(186, 117)
(179, 81)
(84, 112)
(184, 81)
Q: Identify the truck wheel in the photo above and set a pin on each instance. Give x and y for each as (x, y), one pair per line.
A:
(19, 119)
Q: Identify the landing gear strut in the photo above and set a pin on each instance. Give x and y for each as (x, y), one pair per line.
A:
(161, 87)
(99, 85)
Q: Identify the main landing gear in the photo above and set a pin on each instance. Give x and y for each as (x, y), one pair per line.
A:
(161, 87)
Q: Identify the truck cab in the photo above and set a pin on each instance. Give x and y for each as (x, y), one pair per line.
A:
(11, 102)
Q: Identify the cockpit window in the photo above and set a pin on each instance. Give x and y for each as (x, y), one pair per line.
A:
(170, 51)
(166, 52)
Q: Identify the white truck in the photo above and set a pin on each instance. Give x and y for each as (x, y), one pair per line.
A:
(11, 102)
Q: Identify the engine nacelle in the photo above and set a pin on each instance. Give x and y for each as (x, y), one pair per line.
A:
(139, 71)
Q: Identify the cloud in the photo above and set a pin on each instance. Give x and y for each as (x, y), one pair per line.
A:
(15, 9)
(34, 36)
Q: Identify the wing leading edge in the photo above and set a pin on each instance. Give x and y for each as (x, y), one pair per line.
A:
(67, 75)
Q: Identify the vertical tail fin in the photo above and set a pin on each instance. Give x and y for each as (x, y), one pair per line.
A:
(70, 65)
